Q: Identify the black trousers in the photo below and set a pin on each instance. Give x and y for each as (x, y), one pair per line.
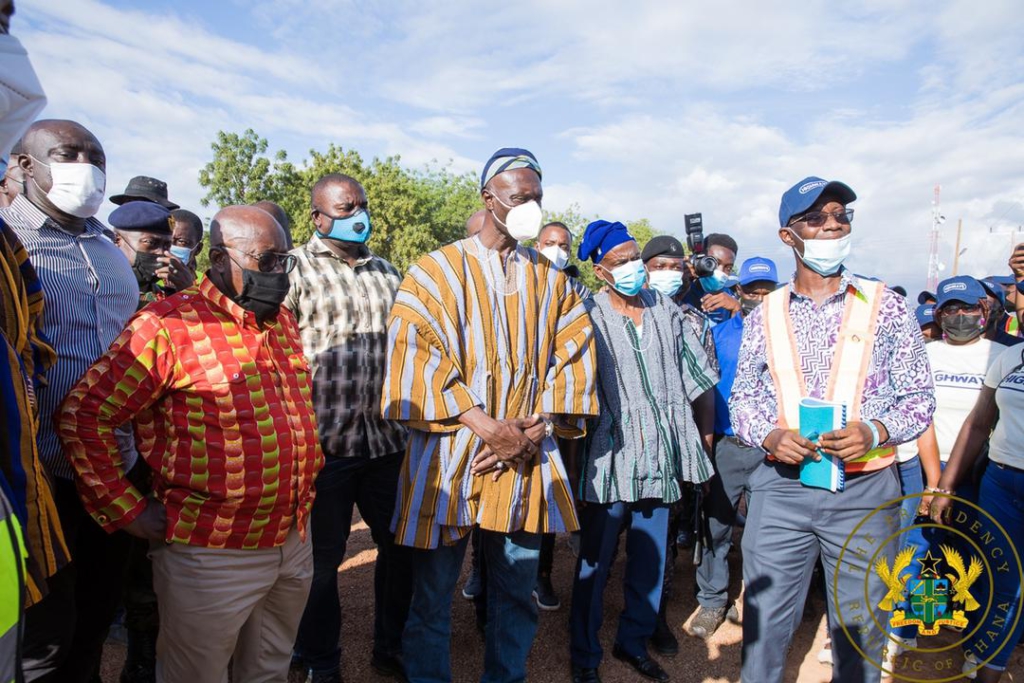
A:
(65, 632)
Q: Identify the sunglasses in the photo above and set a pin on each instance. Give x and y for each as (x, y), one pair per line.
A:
(816, 219)
(268, 261)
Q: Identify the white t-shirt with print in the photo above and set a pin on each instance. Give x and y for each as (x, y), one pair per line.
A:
(1007, 443)
(959, 373)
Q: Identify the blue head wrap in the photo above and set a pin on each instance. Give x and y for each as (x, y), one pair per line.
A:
(599, 238)
(506, 159)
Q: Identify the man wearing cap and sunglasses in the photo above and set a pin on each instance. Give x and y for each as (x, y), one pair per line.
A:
(831, 336)
(218, 390)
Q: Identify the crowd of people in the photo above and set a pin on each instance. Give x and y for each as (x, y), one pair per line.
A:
(187, 450)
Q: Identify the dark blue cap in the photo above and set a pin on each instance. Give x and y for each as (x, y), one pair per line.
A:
(507, 159)
(962, 288)
(802, 196)
(758, 269)
(925, 314)
(1004, 280)
(599, 238)
(994, 290)
(925, 296)
(141, 217)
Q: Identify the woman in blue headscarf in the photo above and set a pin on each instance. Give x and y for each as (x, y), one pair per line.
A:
(653, 380)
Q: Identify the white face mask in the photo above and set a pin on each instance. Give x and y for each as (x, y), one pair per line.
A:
(558, 256)
(77, 188)
(21, 95)
(523, 220)
(825, 257)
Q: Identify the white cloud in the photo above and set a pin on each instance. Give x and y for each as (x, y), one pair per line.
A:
(649, 109)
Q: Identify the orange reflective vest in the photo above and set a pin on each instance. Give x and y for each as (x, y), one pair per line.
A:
(850, 362)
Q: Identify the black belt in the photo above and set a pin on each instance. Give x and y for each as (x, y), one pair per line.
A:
(1011, 468)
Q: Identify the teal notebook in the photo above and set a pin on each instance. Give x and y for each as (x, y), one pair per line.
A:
(816, 418)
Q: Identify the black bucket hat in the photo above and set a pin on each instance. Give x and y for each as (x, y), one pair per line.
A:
(147, 189)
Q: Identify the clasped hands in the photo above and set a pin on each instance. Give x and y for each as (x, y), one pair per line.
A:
(847, 444)
(507, 443)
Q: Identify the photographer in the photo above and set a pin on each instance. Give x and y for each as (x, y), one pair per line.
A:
(712, 290)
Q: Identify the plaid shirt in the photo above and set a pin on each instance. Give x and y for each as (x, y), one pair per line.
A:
(343, 314)
(223, 413)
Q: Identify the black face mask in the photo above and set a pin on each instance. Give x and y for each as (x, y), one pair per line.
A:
(962, 327)
(145, 267)
(263, 293)
(747, 306)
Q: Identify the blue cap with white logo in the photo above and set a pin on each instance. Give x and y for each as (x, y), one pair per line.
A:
(962, 288)
(925, 314)
(802, 196)
(758, 269)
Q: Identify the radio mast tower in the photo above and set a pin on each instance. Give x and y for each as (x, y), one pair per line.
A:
(933, 251)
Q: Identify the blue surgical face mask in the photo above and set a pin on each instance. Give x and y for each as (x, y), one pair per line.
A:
(629, 277)
(668, 282)
(355, 228)
(718, 281)
(183, 254)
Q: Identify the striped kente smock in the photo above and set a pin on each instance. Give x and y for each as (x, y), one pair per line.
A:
(24, 359)
(465, 332)
(645, 443)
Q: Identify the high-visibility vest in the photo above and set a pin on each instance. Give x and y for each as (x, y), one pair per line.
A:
(850, 363)
(12, 591)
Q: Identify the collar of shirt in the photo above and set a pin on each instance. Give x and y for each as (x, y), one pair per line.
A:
(847, 281)
(316, 247)
(35, 219)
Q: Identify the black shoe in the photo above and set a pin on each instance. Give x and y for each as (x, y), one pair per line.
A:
(388, 665)
(643, 665)
(544, 594)
(326, 677)
(664, 642)
(584, 675)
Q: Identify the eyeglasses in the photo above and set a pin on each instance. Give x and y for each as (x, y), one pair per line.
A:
(955, 307)
(816, 219)
(268, 261)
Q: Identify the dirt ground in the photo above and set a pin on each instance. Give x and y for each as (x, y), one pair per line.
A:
(715, 661)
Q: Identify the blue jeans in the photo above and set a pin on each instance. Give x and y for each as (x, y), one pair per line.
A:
(1001, 495)
(601, 525)
(511, 561)
(911, 482)
(370, 484)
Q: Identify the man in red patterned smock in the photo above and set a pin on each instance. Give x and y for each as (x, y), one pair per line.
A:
(218, 391)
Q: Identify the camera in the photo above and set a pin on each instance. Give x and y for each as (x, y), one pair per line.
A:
(703, 264)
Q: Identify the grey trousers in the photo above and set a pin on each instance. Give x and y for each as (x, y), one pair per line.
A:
(788, 526)
(734, 463)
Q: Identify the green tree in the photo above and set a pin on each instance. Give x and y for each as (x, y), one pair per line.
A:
(413, 211)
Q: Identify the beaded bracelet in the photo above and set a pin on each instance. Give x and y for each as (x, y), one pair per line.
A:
(933, 489)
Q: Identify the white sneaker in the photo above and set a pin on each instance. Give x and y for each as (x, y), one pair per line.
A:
(894, 647)
(970, 667)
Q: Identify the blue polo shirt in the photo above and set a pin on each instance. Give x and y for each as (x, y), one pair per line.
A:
(727, 336)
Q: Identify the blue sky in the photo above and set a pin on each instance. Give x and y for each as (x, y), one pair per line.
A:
(635, 110)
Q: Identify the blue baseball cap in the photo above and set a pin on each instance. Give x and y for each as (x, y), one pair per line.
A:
(925, 314)
(993, 289)
(804, 194)
(962, 288)
(925, 296)
(758, 269)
